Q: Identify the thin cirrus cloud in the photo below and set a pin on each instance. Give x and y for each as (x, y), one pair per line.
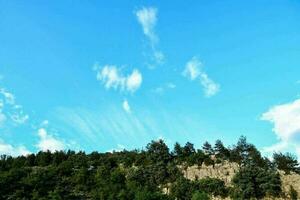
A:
(285, 119)
(112, 78)
(110, 124)
(147, 17)
(193, 71)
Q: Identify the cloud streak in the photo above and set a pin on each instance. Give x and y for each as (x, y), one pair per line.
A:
(193, 71)
(147, 17)
(110, 125)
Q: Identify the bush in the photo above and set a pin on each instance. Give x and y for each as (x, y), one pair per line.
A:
(213, 186)
(200, 196)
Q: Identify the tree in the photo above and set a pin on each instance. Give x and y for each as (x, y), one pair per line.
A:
(207, 148)
(197, 158)
(255, 182)
(242, 149)
(158, 151)
(220, 150)
(293, 193)
(286, 162)
(213, 186)
(178, 152)
(44, 158)
(188, 149)
(182, 189)
(151, 174)
(200, 196)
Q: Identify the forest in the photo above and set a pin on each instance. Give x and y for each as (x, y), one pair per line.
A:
(153, 173)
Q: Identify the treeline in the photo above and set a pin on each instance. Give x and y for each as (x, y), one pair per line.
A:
(150, 174)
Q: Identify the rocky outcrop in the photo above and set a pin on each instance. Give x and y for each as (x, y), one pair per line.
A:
(226, 171)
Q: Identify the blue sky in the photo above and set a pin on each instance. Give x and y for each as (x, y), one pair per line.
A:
(110, 75)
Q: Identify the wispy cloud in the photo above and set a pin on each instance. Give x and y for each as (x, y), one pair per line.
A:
(48, 142)
(147, 17)
(161, 89)
(2, 116)
(8, 149)
(10, 110)
(193, 71)
(126, 106)
(210, 87)
(110, 125)
(285, 119)
(112, 77)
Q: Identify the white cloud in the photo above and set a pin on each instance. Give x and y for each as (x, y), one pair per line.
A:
(112, 77)
(193, 71)
(126, 106)
(285, 119)
(8, 149)
(278, 147)
(210, 87)
(147, 17)
(48, 142)
(134, 81)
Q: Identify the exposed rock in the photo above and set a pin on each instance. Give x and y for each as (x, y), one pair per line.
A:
(226, 171)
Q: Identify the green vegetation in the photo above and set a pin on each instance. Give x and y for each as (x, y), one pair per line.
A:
(293, 193)
(151, 174)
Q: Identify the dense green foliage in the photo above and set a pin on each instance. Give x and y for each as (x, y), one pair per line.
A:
(151, 174)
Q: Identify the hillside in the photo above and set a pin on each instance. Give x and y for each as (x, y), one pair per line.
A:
(225, 171)
(157, 173)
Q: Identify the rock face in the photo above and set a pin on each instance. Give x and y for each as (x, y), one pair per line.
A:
(288, 180)
(226, 171)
